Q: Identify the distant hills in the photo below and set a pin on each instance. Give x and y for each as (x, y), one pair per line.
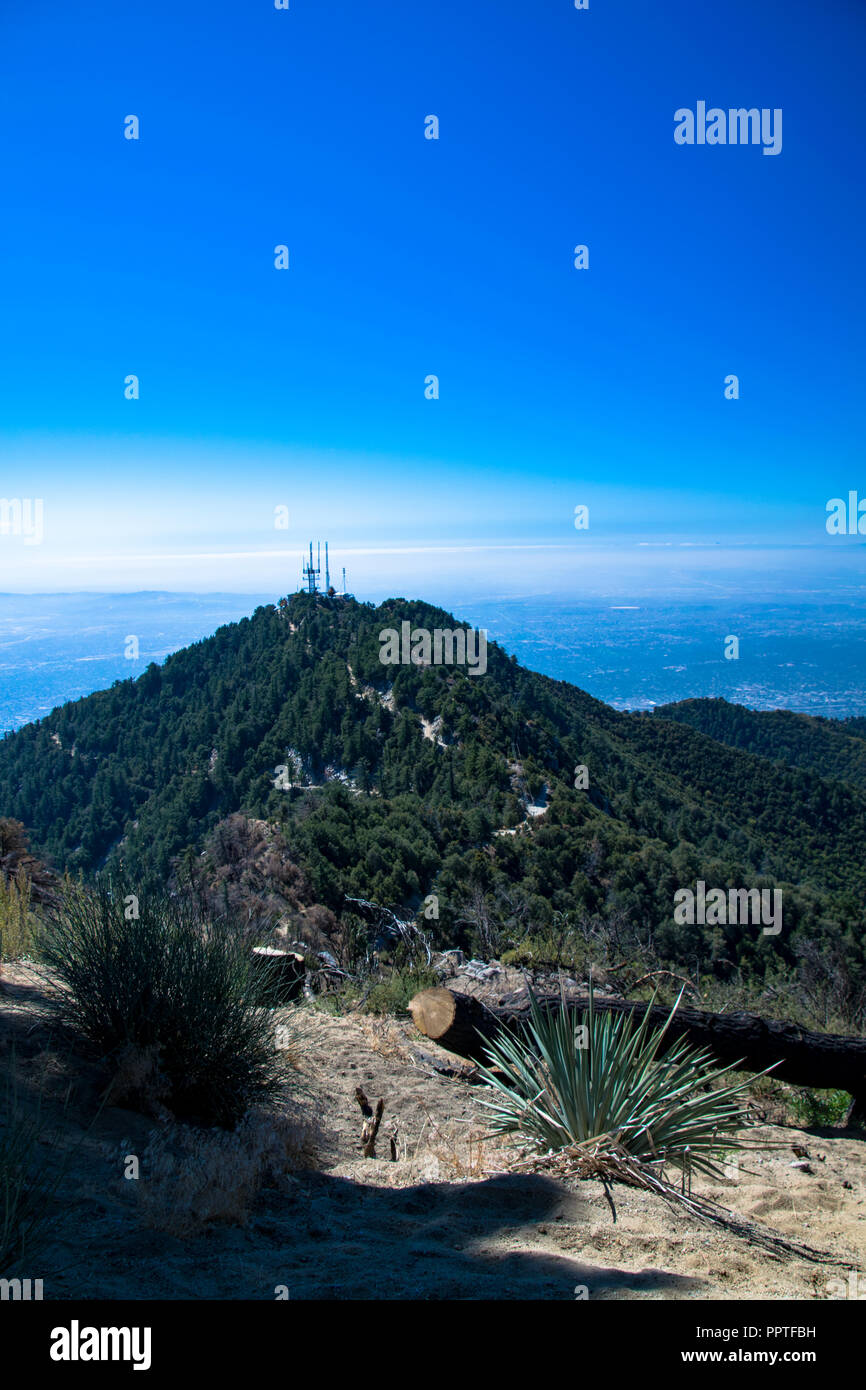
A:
(401, 782)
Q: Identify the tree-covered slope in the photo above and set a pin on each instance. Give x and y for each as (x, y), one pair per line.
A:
(830, 748)
(399, 782)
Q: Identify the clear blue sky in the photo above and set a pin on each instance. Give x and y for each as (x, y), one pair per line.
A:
(410, 257)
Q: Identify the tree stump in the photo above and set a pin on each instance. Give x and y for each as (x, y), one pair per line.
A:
(282, 973)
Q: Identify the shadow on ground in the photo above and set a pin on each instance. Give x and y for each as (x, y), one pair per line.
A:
(443, 1241)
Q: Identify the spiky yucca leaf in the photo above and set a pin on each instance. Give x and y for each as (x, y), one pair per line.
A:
(554, 1094)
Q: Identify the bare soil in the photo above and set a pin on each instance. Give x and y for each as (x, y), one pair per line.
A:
(445, 1220)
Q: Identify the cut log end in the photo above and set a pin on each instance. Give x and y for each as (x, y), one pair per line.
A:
(433, 1011)
(283, 972)
(458, 1022)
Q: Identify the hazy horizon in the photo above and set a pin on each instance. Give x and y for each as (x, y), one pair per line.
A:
(634, 638)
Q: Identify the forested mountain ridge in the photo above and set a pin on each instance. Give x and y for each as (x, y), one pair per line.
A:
(830, 748)
(396, 782)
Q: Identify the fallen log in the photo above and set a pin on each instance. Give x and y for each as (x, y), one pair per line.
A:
(463, 1023)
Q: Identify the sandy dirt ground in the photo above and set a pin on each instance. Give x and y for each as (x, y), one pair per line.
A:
(446, 1220)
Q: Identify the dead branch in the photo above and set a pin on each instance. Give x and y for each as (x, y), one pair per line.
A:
(370, 1126)
(683, 980)
(612, 1163)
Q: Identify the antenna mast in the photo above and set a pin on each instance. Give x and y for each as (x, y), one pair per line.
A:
(311, 573)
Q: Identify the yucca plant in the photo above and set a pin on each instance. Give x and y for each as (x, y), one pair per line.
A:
(619, 1096)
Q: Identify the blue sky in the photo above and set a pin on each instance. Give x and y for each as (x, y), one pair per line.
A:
(305, 388)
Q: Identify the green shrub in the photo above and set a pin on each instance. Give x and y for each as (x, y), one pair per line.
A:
(820, 1107)
(540, 951)
(392, 994)
(617, 1091)
(149, 979)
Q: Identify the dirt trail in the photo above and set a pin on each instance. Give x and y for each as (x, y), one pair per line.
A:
(443, 1221)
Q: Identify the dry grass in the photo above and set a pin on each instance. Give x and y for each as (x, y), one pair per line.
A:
(17, 924)
(462, 1152)
(609, 1162)
(191, 1179)
(383, 1038)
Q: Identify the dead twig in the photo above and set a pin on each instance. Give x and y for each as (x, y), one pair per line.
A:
(370, 1127)
(653, 974)
(609, 1196)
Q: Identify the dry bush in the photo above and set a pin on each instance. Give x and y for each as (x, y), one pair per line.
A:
(247, 875)
(192, 1179)
(17, 862)
(459, 1152)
